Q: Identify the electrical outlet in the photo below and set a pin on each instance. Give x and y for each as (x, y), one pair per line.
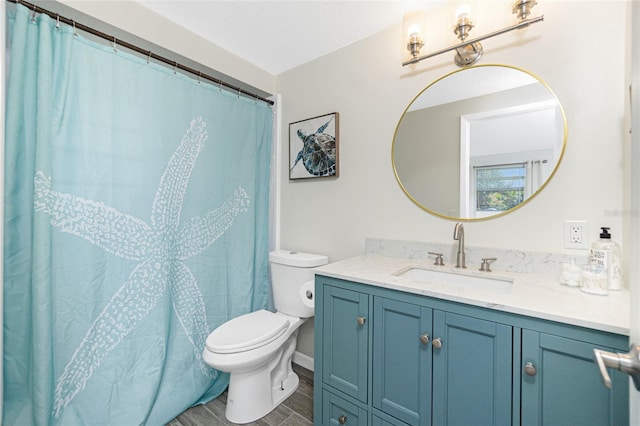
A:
(575, 234)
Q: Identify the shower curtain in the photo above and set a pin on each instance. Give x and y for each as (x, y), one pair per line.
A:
(136, 221)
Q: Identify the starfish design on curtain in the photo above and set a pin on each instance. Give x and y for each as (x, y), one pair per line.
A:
(160, 247)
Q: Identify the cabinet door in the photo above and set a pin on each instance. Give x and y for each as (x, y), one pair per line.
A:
(402, 360)
(337, 411)
(472, 371)
(345, 341)
(566, 387)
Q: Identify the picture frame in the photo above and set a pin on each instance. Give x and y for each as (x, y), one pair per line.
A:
(313, 147)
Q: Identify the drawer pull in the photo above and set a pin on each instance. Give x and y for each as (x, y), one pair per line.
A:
(437, 343)
(530, 369)
(424, 338)
(342, 419)
(361, 320)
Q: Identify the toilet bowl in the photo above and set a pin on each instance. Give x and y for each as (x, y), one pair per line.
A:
(256, 348)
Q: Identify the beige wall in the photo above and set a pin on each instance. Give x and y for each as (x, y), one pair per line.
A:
(367, 85)
(427, 157)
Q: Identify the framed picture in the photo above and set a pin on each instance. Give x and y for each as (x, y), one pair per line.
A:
(313, 147)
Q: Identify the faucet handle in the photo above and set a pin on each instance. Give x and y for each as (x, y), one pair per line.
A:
(439, 261)
(486, 261)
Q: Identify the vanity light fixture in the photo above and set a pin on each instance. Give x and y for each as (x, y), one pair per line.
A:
(413, 24)
(468, 51)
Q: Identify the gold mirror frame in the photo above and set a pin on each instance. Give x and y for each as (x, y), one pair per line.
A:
(561, 122)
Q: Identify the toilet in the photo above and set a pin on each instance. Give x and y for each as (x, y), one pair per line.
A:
(256, 348)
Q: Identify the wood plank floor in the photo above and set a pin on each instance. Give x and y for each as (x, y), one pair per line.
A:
(297, 410)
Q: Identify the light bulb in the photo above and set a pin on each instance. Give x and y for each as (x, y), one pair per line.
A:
(463, 11)
(414, 30)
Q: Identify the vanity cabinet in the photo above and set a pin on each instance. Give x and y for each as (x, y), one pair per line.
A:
(385, 357)
(345, 354)
(560, 384)
(402, 359)
(338, 411)
(429, 364)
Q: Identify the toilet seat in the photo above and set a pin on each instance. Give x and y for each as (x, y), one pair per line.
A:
(247, 332)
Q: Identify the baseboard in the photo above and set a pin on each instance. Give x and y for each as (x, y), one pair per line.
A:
(304, 361)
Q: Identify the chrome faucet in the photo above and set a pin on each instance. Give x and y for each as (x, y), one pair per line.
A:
(458, 234)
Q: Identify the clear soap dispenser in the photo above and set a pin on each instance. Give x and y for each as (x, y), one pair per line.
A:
(606, 253)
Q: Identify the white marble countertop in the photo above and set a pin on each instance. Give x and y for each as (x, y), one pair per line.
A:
(539, 296)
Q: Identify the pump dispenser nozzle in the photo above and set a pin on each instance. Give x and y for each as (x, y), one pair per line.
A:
(605, 232)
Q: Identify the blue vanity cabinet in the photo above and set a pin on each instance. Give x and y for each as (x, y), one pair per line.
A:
(472, 370)
(377, 421)
(428, 366)
(562, 385)
(402, 360)
(385, 357)
(342, 347)
(345, 341)
(338, 411)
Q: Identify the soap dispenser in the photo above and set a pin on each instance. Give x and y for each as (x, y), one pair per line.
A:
(606, 253)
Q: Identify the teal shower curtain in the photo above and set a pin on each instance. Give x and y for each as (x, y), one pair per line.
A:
(135, 223)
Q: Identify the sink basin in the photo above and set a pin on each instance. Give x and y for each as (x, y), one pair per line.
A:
(419, 274)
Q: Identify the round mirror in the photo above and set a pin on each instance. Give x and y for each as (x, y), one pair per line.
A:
(479, 142)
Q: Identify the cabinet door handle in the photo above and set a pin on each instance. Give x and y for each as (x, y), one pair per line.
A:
(530, 369)
(361, 320)
(437, 343)
(424, 338)
(342, 419)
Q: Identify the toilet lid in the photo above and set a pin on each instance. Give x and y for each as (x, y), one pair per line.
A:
(247, 332)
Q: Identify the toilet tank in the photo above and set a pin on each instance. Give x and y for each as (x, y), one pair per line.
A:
(292, 279)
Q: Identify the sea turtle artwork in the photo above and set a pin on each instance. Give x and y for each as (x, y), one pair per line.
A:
(318, 153)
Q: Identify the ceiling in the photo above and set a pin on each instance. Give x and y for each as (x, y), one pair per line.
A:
(279, 35)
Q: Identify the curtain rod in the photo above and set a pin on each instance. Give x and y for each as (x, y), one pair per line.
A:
(147, 53)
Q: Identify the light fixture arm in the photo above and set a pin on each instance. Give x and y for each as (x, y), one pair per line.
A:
(521, 24)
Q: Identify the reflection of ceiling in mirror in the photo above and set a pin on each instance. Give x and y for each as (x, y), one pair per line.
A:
(533, 129)
(470, 83)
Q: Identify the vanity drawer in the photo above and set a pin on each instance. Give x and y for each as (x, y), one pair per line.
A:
(378, 421)
(338, 411)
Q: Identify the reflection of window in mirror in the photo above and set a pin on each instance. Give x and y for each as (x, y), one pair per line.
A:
(500, 187)
(497, 188)
(511, 156)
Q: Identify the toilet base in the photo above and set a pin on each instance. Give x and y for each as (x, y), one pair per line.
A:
(251, 396)
(255, 393)
(260, 379)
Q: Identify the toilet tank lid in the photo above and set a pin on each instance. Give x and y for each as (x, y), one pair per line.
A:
(297, 258)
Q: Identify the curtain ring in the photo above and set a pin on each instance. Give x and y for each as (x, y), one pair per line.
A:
(75, 31)
(220, 85)
(33, 17)
(113, 44)
(149, 57)
(175, 65)
(57, 22)
(199, 75)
